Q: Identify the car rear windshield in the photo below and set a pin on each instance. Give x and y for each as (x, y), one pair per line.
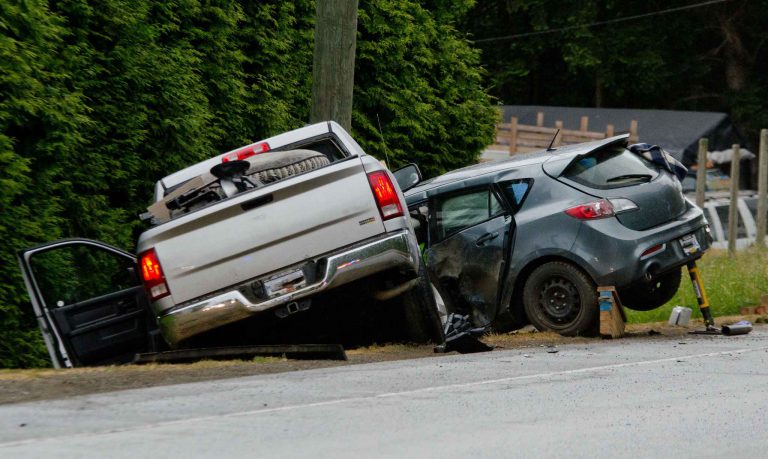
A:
(611, 168)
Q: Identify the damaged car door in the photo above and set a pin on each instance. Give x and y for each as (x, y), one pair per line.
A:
(89, 302)
(470, 234)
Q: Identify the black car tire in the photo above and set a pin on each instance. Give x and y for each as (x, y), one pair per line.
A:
(422, 321)
(560, 297)
(651, 295)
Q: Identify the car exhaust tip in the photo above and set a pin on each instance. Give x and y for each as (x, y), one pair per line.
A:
(651, 272)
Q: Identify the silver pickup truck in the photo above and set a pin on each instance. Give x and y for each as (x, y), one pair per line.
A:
(259, 230)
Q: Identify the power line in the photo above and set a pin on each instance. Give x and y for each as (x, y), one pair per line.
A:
(609, 21)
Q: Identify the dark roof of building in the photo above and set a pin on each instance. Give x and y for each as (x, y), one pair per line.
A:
(678, 132)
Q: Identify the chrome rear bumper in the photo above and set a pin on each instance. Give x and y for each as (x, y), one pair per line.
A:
(398, 250)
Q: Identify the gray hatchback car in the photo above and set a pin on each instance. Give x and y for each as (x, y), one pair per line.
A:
(529, 239)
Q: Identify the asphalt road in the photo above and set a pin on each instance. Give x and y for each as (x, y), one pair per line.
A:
(662, 397)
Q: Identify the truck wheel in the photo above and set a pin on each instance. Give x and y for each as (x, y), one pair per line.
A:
(422, 320)
(651, 295)
(559, 297)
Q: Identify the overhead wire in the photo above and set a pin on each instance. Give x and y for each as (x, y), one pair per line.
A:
(599, 23)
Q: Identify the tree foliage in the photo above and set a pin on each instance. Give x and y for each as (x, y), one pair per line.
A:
(99, 99)
(706, 58)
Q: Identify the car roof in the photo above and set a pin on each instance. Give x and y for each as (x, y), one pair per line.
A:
(517, 161)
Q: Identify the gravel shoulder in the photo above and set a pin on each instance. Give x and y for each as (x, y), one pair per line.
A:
(46, 384)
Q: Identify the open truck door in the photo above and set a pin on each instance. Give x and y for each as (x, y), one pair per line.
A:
(89, 302)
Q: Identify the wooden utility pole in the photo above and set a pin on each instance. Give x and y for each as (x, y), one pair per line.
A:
(333, 69)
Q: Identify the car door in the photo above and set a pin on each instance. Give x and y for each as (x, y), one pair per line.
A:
(470, 231)
(89, 302)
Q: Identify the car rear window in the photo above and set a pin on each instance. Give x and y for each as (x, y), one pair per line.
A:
(611, 168)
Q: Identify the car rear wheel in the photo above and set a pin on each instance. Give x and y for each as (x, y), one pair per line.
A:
(559, 297)
(654, 294)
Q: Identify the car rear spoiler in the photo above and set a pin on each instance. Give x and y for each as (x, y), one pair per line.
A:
(567, 154)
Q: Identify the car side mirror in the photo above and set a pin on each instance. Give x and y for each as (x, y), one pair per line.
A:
(408, 176)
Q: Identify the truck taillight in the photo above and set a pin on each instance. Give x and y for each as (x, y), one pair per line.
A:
(152, 275)
(592, 210)
(386, 195)
(246, 152)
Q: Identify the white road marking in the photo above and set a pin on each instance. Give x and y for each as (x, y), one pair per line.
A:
(384, 395)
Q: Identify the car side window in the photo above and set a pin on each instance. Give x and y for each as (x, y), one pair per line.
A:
(456, 212)
(516, 191)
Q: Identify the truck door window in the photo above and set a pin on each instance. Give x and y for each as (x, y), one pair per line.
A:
(75, 273)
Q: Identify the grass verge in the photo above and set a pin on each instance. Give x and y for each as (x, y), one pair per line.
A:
(730, 283)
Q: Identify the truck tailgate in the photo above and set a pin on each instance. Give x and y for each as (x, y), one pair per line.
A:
(266, 229)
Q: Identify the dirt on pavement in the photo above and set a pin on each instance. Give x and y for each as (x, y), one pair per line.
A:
(45, 384)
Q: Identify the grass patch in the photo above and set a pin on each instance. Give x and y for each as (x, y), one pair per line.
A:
(730, 283)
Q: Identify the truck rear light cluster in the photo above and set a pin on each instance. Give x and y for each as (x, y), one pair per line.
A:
(386, 195)
(152, 275)
(246, 152)
(592, 210)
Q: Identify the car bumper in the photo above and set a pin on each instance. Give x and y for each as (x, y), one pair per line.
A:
(621, 260)
(395, 251)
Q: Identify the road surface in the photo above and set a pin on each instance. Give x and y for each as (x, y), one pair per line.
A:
(662, 397)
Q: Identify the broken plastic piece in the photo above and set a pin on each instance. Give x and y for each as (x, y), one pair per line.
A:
(461, 337)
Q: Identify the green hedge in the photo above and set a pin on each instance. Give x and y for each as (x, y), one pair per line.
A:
(99, 99)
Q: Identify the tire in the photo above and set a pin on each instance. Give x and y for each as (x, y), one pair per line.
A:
(271, 167)
(651, 295)
(422, 320)
(560, 297)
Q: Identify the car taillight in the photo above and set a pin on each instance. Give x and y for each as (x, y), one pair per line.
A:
(152, 275)
(592, 210)
(386, 195)
(246, 152)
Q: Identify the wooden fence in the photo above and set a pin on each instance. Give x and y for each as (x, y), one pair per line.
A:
(522, 138)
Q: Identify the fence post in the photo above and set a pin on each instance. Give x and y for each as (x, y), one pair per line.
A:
(609, 131)
(762, 188)
(733, 208)
(633, 137)
(584, 125)
(559, 136)
(513, 136)
(540, 119)
(701, 172)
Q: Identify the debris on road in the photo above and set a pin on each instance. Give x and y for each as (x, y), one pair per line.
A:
(461, 337)
(739, 328)
(680, 316)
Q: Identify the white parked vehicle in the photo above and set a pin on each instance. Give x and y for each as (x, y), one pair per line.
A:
(717, 208)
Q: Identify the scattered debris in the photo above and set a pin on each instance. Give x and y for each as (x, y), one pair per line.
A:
(739, 328)
(461, 337)
(653, 333)
(680, 316)
(552, 351)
